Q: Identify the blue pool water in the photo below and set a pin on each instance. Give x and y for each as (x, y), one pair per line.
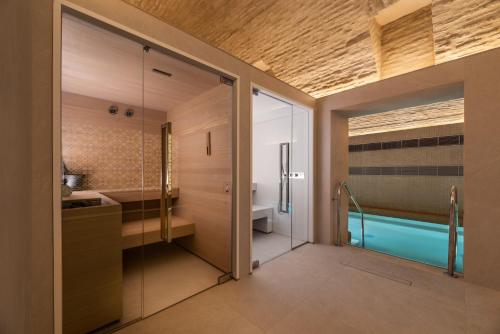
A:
(409, 239)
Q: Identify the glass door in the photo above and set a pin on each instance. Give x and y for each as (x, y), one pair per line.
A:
(102, 177)
(187, 180)
(280, 171)
(299, 176)
(272, 150)
(147, 180)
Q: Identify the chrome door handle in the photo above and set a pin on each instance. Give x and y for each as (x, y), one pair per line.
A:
(283, 205)
(166, 182)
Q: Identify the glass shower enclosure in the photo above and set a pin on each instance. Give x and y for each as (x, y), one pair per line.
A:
(280, 172)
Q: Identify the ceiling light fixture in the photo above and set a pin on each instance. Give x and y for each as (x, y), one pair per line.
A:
(155, 70)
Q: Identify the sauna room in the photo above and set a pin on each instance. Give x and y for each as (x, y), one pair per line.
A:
(146, 181)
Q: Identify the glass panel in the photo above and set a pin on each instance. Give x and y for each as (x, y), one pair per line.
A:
(299, 176)
(102, 150)
(189, 252)
(272, 130)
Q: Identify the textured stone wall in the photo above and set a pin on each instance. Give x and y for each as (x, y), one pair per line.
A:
(374, 6)
(464, 27)
(407, 44)
(317, 46)
(439, 113)
(326, 46)
(376, 38)
(311, 58)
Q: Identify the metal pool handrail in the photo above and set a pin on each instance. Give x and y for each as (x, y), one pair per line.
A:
(340, 186)
(452, 233)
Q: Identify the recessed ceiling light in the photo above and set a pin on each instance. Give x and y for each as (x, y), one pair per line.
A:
(155, 70)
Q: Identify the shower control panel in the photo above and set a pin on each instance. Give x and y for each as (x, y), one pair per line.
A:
(296, 175)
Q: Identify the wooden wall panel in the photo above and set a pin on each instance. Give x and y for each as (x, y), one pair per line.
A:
(15, 178)
(92, 265)
(105, 65)
(201, 178)
(26, 231)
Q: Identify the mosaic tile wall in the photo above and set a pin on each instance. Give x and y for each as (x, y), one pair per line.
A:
(110, 155)
(419, 189)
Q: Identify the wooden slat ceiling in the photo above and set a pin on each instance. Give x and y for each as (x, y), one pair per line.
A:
(103, 65)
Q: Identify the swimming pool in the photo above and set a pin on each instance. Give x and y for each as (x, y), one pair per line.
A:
(410, 239)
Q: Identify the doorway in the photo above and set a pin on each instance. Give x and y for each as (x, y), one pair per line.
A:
(147, 178)
(406, 174)
(280, 176)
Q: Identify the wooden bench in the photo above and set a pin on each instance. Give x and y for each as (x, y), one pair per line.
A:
(132, 231)
(137, 205)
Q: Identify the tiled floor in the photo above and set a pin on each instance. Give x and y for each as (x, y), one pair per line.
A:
(168, 275)
(172, 274)
(323, 289)
(267, 246)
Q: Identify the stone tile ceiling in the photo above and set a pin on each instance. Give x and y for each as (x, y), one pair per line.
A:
(322, 46)
(439, 113)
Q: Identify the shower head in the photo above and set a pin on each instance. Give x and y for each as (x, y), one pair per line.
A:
(113, 110)
(129, 113)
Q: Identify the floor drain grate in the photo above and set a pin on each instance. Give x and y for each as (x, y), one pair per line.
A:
(377, 273)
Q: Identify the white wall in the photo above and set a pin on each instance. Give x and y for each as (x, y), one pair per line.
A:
(273, 124)
(267, 136)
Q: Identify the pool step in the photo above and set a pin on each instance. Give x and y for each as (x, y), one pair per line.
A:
(355, 242)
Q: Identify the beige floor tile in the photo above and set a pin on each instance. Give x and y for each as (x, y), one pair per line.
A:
(172, 274)
(198, 315)
(483, 310)
(314, 319)
(324, 289)
(159, 276)
(267, 246)
(421, 276)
